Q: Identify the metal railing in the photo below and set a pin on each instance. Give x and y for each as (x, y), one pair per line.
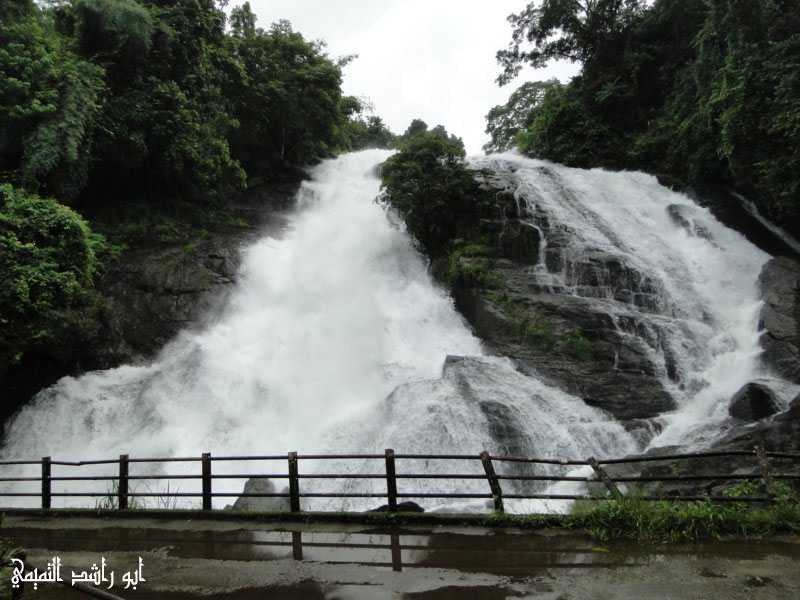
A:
(494, 479)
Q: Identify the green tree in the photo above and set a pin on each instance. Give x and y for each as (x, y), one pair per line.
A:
(48, 261)
(576, 30)
(702, 90)
(429, 185)
(504, 122)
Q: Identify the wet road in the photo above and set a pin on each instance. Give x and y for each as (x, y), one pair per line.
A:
(243, 560)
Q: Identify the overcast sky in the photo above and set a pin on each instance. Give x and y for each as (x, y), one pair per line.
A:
(432, 59)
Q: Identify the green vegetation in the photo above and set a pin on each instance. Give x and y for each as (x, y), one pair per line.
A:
(146, 117)
(48, 261)
(429, 185)
(702, 91)
(674, 521)
(470, 265)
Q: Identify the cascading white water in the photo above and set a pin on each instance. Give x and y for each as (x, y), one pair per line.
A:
(336, 337)
(709, 302)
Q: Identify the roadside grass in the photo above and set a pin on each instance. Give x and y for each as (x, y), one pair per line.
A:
(632, 518)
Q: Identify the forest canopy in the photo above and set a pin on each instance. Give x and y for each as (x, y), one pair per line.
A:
(706, 92)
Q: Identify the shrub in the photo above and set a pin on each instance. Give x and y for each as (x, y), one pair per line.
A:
(48, 261)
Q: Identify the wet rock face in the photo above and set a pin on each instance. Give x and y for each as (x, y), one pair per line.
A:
(574, 315)
(689, 219)
(155, 292)
(780, 288)
(151, 293)
(618, 376)
(520, 242)
(753, 402)
(603, 275)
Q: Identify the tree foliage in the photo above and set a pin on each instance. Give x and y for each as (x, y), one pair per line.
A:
(428, 184)
(48, 260)
(505, 122)
(706, 91)
(154, 101)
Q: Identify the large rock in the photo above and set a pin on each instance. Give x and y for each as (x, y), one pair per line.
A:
(266, 504)
(615, 363)
(406, 507)
(779, 282)
(753, 402)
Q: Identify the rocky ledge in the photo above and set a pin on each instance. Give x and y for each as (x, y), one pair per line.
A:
(780, 288)
(152, 292)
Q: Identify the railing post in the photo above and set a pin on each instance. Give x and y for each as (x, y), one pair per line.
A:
(46, 483)
(294, 483)
(206, 481)
(397, 552)
(494, 483)
(766, 471)
(601, 474)
(391, 480)
(122, 484)
(297, 545)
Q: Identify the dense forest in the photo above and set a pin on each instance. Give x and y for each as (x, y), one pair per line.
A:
(705, 93)
(119, 115)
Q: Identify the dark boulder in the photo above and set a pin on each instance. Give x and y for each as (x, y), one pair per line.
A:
(779, 282)
(753, 402)
(261, 504)
(794, 407)
(407, 507)
(689, 218)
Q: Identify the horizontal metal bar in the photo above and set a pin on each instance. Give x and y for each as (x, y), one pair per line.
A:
(267, 457)
(21, 462)
(689, 455)
(383, 476)
(341, 495)
(543, 461)
(545, 478)
(176, 459)
(438, 456)
(86, 478)
(441, 476)
(442, 495)
(645, 498)
(114, 495)
(249, 495)
(250, 476)
(657, 478)
(21, 478)
(337, 456)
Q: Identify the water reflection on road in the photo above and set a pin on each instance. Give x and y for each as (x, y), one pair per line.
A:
(242, 560)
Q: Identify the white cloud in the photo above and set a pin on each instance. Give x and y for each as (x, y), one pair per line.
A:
(428, 59)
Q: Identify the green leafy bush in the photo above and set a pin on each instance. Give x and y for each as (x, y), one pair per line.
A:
(429, 185)
(48, 262)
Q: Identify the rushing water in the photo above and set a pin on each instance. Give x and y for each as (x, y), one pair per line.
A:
(336, 339)
(705, 316)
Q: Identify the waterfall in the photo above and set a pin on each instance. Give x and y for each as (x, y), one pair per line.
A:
(697, 300)
(337, 339)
